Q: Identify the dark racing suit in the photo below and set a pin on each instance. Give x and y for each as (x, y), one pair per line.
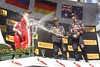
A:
(57, 41)
(80, 40)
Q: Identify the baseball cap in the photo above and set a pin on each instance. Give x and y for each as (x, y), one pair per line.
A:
(27, 11)
(55, 19)
(73, 15)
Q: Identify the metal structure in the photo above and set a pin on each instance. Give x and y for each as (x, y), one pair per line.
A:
(32, 31)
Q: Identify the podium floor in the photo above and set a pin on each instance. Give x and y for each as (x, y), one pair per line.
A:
(48, 62)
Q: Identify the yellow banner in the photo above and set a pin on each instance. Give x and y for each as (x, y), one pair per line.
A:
(90, 42)
(10, 22)
(45, 45)
(59, 53)
(36, 51)
(3, 28)
(93, 56)
(64, 40)
(3, 12)
(10, 38)
(70, 48)
(36, 36)
(89, 29)
(67, 54)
